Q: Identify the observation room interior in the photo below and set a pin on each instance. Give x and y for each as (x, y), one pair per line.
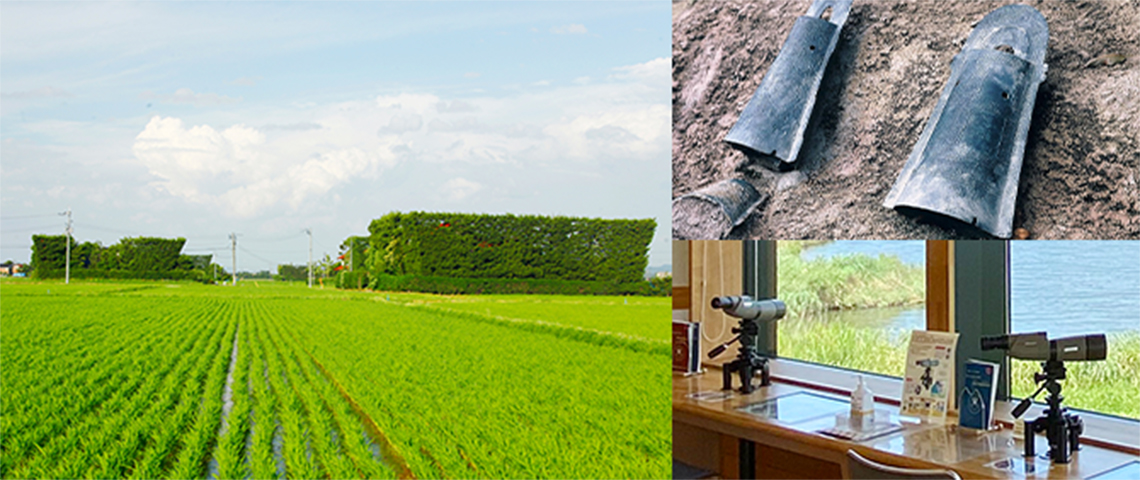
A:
(848, 415)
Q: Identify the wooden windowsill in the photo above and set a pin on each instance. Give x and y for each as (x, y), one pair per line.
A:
(1102, 430)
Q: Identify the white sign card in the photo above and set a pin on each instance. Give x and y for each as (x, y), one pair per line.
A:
(929, 383)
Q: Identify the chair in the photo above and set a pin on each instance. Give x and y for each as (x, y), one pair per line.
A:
(862, 468)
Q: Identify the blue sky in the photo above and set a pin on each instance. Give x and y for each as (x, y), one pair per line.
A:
(197, 119)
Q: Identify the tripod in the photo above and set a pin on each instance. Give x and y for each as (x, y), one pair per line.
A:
(1063, 429)
(747, 362)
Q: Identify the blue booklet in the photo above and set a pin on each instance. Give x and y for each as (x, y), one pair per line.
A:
(979, 390)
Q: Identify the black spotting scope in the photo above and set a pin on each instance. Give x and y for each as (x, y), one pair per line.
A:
(1037, 346)
(1062, 429)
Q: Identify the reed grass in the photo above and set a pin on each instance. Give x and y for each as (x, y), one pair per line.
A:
(845, 282)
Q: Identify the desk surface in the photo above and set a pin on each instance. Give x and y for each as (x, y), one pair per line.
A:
(799, 417)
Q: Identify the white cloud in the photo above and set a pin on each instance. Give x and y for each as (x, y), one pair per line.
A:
(403, 122)
(456, 106)
(236, 170)
(187, 96)
(303, 154)
(459, 188)
(630, 133)
(472, 75)
(656, 69)
(572, 29)
(297, 126)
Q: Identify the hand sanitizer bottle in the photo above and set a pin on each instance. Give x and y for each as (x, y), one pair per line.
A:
(862, 400)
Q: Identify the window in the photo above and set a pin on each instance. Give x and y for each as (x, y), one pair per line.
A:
(851, 304)
(1070, 288)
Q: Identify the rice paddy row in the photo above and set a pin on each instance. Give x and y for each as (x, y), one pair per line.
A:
(137, 384)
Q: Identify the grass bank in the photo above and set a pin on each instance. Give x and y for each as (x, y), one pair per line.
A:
(1111, 386)
(811, 288)
(845, 282)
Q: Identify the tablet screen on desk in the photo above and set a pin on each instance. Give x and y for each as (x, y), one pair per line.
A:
(796, 407)
(1128, 470)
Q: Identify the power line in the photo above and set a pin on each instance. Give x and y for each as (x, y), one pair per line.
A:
(28, 229)
(254, 255)
(262, 250)
(274, 239)
(17, 217)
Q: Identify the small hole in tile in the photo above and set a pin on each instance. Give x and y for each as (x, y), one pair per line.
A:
(1004, 48)
(826, 15)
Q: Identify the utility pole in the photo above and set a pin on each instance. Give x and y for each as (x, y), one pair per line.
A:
(67, 261)
(233, 249)
(310, 232)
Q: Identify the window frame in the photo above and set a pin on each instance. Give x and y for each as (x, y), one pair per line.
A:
(961, 283)
(761, 282)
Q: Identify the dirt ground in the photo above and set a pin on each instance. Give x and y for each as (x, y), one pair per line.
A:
(1080, 174)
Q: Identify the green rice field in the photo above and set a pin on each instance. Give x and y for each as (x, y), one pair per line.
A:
(265, 380)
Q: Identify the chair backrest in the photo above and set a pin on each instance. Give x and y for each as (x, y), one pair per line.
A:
(862, 468)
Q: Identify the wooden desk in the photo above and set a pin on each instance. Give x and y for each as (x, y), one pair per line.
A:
(708, 434)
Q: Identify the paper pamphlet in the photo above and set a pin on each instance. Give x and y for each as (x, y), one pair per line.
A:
(976, 402)
(928, 385)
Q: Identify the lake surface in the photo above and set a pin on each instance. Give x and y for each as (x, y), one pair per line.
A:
(1062, 287)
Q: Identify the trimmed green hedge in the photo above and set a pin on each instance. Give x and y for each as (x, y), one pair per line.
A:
(449, 285)
(352, 280)
(531, 247)
(145, 258)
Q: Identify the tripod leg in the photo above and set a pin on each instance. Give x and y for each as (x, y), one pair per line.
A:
(745, 378)
(1060, 435)
(765, 374)
(1075, 429)
(726, 372)
(1030, 438)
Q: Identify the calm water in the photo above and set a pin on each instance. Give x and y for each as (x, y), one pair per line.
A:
(1062, 287)
(1075, 287)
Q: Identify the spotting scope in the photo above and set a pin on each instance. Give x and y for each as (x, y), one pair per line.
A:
(745, 307)
(1037, 346)
(748, 361)
(1062, 429)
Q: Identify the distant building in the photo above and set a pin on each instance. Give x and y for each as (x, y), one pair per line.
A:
(664, 274)
(11, 270)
